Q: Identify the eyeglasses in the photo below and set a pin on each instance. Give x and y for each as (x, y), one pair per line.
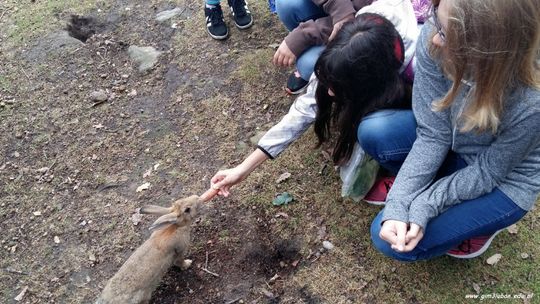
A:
(437, 23)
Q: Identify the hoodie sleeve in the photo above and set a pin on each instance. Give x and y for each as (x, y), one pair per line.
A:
(512, 145)
(309, 33)
(434, 135)
(337, 9)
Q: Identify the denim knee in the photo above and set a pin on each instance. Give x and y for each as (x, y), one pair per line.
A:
(371, 132)
(306, 61)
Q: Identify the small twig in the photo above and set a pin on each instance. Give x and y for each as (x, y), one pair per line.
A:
(74, 51)
(24, 72)
(110, 131)
(205, 269)
(234, 301)
(108, 186)
(47, 171)
(1, 16)
(10, 270)
(210, 272)
(97, 103)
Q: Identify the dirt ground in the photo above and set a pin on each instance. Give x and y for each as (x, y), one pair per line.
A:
(70, 166)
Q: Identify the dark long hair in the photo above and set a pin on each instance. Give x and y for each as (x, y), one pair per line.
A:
(361, 67)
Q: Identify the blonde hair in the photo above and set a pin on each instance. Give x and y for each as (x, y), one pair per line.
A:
(495, 44)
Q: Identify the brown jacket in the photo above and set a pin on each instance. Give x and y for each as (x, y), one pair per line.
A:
(316, 32)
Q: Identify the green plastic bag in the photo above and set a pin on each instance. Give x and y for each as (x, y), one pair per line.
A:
(358, 175)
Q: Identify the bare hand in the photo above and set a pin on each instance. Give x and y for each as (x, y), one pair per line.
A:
(394, 233)
(413, 236)
(225, 179)
(284, 56)
(338, 26)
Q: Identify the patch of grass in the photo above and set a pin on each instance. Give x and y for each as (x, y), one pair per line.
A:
(30, 20)
(255, 66)
(5, 83)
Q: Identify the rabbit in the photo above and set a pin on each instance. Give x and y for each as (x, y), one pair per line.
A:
(169, 242)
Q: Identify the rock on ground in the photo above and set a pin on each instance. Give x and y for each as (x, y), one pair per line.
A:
(166, 15)
(145, 56)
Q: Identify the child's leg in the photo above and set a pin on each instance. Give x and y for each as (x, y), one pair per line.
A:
(478, 217)
(306, 61)
(293, 12)
(388, 136)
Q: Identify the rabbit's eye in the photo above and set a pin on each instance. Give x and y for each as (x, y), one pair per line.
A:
(187, 210)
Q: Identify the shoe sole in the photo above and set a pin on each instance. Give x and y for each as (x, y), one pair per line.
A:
(218, 37)
(243, 27)
(479, 252)
(375, 203)
(295, 92)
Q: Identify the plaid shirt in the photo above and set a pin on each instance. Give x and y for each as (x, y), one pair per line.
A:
(300, 117)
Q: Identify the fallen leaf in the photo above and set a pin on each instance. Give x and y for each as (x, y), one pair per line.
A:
(136, 218)
(282, 199)
(20, 296)
(143, 187)
(42, 170)
(326, 156)
(513, 229)
(327, 245)
(283, 177)
(321, 233)
(37, 213)
(147, 173)
(156, 166)
(56, 239)
(476, 288)
(282, 214)
(98, 126)
(494, 259)
(91, 257)
(267, 293)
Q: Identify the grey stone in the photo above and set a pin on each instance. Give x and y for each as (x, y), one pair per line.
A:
(56, 43)
(327, 245)
(166, 15)
(146, 56)
(99, 95)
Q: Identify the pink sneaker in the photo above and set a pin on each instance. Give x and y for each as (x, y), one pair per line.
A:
(377, 193)
(472, 248)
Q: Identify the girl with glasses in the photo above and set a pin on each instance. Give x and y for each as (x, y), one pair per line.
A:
(474, 167)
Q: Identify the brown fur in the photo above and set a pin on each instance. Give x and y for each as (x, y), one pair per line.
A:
(141, 273)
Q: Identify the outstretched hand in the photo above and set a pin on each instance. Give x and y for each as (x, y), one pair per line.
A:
(284, 57)
(225, 179)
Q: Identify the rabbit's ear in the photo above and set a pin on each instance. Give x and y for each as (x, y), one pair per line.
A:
(153, 209)
(163, 221)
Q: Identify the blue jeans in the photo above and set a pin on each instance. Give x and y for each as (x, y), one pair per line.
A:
(292, 13)
(388, 136)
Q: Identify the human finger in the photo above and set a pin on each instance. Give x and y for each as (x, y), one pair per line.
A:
(401, 231)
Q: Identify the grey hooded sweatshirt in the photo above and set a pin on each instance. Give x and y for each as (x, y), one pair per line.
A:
(508, 160)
